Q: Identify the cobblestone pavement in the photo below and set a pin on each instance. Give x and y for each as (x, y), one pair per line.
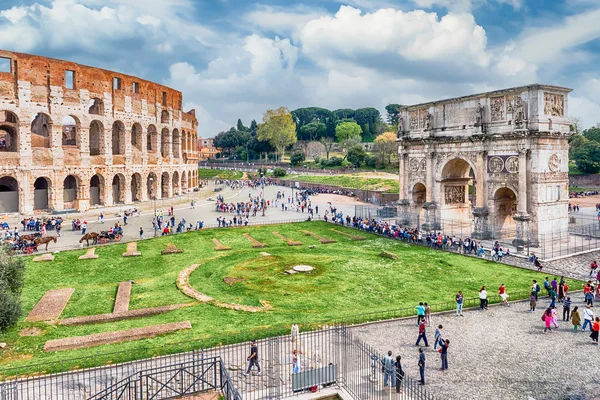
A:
(501, 353)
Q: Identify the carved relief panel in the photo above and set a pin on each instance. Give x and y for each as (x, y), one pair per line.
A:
(553, 163)
(497, 108)
(454, 194)
(554, 105)
(419, 119)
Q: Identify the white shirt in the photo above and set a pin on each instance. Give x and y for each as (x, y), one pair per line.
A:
(483, 294)
(588, 314)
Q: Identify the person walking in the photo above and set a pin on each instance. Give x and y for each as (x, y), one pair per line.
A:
(444, 354)
(503, 295)
(576, 318)
(589, 298)
(567, 308)
(532, 302)
(595, 331)
(141, 232)
(547, 318)
(536, 289)
(459, 303)
(552, 294)
(83, 227)
(427, 314)
(422, 334)
(296, 362)
(422, 366)
(588, 317)
(399, 374)
(437, 337)
(389, 370)
(420, 312)
(253, 358)
(483, 302)
(554, 317)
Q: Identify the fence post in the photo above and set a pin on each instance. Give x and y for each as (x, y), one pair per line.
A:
(273, 369)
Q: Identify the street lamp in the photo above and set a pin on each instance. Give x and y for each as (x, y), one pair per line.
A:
(151, 179)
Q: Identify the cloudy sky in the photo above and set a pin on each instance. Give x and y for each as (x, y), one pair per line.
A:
(235, 58)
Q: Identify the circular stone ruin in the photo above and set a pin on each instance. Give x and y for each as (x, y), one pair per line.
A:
(303, 268)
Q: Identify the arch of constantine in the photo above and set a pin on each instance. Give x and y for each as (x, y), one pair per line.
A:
(497, 159)
(75, 137)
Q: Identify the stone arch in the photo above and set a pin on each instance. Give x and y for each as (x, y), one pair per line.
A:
(152, 139)
(9, 194)
(151, 184)
(136, 187)
(165, 140)
(164, 184)
(419, 196)
(9, 131)
(118, 138)
(118, 189)
(70, 131)
(176, 184)
(96, 138)
(456, 176)
(136, 136)
(184, 182)
(41, 131)
(97, 190)
(96, 106)
(70, 189)
(505, 207)
(164, 117)
(41, 191)
(176, 144)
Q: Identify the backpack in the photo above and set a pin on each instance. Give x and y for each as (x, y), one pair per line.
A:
(544, 317)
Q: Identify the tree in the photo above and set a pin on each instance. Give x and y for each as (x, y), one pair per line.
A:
(241, 127)
(228, 141)
(253, 127)
(385, 146)
(347, 130)
(278, 128)
(297, 158)
(575, 142)
(356, 155)
(592, 134)
(312, 131)
(587, 157)
(12, 270)
(393, 113)
(328, 143)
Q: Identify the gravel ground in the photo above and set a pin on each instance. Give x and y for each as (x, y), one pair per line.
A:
(501, 353)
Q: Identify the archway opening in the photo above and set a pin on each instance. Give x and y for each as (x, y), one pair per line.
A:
(69, 131)
(96, 138)
(40, 193)
(118, 142)
(97, 190)
(164, 184)
(456, 179)
(176, 144)
(96, 106)
(136, 187)
(70, 187)
(165, 141)
(118, 189)
(9, 127)
(41, 129)
(9, 194)
(419, 196)
(136, 137)
(184, 182)
(175, 182)
(152, 139)
(151, 183)
(164, 117)
(505, 207)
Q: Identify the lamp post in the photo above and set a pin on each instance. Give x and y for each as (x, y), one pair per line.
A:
(151, 179)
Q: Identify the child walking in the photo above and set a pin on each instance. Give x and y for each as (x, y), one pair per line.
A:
(547, 318)
(554, 317)
(532, 301)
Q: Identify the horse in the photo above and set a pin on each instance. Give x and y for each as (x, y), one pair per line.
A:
(88, 236)
(32, 237)
(45, 241)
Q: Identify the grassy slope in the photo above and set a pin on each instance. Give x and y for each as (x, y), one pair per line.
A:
(219, 174)
(350, 278)
(352, 181)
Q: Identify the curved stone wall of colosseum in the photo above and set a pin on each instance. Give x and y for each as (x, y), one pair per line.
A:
(78, 137)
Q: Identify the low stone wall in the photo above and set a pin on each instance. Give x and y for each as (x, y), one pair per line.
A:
(585, 180)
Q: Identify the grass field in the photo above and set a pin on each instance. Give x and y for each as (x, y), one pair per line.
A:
(219, 174)
(349, 278)
(352, 182)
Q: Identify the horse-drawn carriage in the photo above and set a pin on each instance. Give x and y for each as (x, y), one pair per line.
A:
(103, 237)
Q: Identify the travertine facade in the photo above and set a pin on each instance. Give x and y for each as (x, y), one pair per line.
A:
(498, 159)
(73, 137)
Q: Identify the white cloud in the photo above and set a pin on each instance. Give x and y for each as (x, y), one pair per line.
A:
(586, 109)
(281, 20)
(416, 36)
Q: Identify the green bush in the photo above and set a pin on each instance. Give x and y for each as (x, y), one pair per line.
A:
(356, 155)
(279, 172)
(296, 158)
(371, 161)
(10, 306)
(12, 270)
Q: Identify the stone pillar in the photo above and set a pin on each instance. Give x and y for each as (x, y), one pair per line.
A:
(431, 219)
(106, 146)
(24, 145)
(128, 194)
(402, 176)
(83, 138)
(522, 217)
(144, 146)
(128, 147)
(56, 149)
(429, 178)
(481, 228)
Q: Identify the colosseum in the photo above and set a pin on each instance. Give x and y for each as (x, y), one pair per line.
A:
(74, 137)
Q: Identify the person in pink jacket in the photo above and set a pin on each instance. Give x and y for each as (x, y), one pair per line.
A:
(547, 318)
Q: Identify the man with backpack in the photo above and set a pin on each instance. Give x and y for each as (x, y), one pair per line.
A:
(389, 369)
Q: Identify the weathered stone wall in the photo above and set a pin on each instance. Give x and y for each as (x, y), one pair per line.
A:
(127, 130)
(499, 159)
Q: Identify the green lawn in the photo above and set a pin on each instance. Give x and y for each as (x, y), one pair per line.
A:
(350, 278)
(219, 174)
(351, 181)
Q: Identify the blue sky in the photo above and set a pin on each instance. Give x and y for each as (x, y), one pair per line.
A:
(235, 59)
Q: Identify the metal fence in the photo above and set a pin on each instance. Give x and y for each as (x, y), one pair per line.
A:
(561, 244)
